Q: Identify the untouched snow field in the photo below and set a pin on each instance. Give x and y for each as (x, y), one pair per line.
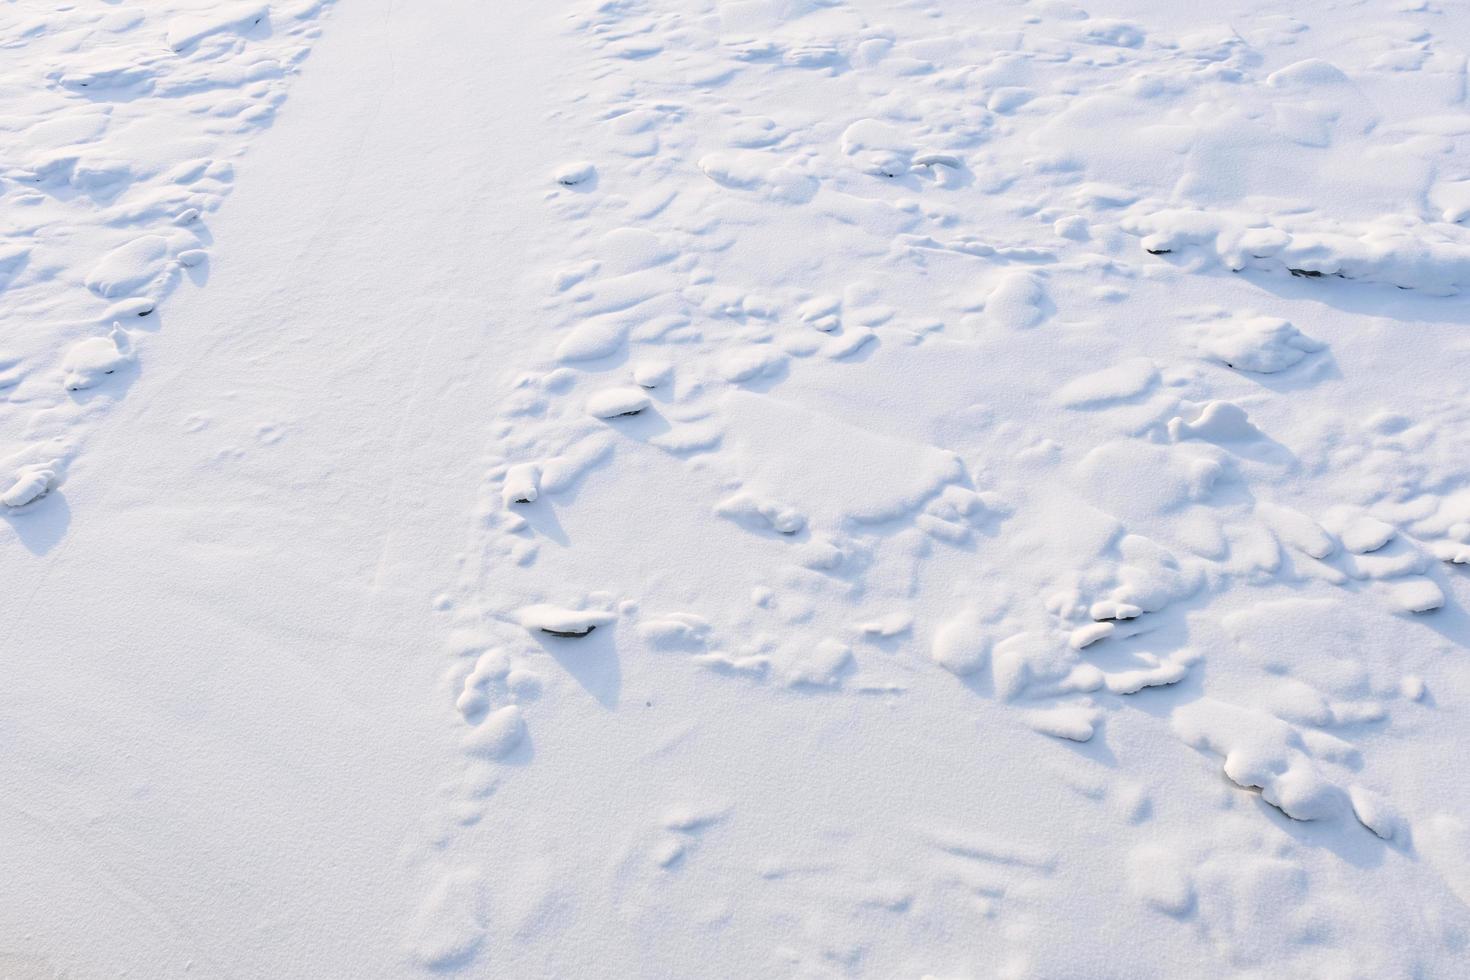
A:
(677, 488)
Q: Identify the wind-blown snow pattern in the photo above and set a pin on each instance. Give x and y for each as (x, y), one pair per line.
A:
(119, 130)
(856, 488)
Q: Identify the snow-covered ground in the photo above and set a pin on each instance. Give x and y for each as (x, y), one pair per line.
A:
(674, 488)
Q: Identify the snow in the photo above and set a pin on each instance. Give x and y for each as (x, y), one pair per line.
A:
(88, 362)
(611, 403)
(498, 734)
(734, 487)
(961, 644)
(31, 483)
(563, 622)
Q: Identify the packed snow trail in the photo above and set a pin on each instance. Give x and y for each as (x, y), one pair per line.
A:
(220, 714)
(665, 488)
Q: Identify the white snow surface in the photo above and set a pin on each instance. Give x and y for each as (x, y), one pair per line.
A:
(671, 488)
